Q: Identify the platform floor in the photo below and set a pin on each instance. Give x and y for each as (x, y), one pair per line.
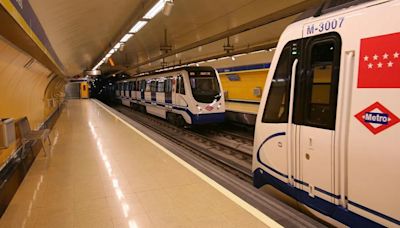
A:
(101, 173)
(241, 107)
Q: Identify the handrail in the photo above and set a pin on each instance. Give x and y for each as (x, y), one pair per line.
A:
(290, 122)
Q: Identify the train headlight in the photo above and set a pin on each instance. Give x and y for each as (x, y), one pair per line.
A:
(199, 108)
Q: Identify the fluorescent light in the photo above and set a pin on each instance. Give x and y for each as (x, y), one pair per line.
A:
(108, 55)
(111, 51)
(260, 51)
(126, 38)
(239, 55)
(155, 10)
(139, 25)
(117, 46)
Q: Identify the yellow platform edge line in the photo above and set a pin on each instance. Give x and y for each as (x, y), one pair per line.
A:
(252, 210)
(24, 25)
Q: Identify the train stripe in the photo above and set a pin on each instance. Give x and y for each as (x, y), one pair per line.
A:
(375, 212)
(259, 158)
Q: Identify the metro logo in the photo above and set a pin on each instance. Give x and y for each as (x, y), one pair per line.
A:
(377, 118)
(379, 62)
(209, 108)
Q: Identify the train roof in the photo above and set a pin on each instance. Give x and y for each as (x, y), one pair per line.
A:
(330, 6)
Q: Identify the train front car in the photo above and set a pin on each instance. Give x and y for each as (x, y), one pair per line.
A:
(206, 103)
(328, 124)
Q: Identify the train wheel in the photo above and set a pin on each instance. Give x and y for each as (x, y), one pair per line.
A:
(180, 122)
(171, 118)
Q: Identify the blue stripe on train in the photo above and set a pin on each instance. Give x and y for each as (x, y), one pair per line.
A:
(349, 218)
(262, 177)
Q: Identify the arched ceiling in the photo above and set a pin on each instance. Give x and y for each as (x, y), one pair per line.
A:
(82, 32)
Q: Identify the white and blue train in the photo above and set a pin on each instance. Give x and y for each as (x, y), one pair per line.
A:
(184, 96)
(328, 127)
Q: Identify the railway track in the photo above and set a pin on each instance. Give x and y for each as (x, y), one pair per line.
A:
(229, 154)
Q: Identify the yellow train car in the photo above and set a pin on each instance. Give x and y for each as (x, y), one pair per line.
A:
(244, 83)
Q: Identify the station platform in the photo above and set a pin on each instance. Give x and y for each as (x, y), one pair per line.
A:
(101, 172)
(242, 112)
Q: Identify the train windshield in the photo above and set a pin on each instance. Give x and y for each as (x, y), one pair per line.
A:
(205, 87)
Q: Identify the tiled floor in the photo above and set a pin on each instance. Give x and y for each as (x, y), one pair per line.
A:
(100, 173)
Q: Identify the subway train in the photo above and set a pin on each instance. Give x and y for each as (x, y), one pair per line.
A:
(327, 131)
(184, 96)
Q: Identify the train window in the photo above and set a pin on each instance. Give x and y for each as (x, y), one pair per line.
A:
(143, 85)
(168, 85)
(148, 85)
(205, 86)
(180, 85)
(153, 86)
(160, 86)
(277, 106)
(131, 86)
(322, 78)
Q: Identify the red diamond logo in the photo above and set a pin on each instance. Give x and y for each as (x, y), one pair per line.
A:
(377, 118)
(209, 108)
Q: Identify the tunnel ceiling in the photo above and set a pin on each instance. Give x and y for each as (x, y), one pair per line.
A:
(81, 32)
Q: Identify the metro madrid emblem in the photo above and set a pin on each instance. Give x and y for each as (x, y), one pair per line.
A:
(377, 118)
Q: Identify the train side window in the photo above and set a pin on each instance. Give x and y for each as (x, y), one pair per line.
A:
(321, 95)
(277, 105)
(133, 85)
(168, 85)
(153, 86)
(160, 86)
(143, 86)
(180, 85)
(148, 85)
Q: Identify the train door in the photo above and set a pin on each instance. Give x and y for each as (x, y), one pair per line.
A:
(142, 90)
(274, 152)
(314, 115)
(127, 90)
(180, 92)
(153, 91)
(168, 91)
(131, 89)
(298, 122)
(147, 92)
(160, 91)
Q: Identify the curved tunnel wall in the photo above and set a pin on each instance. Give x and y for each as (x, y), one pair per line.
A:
(27, 88)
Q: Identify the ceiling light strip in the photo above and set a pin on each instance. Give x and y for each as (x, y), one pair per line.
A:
(136, 28)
